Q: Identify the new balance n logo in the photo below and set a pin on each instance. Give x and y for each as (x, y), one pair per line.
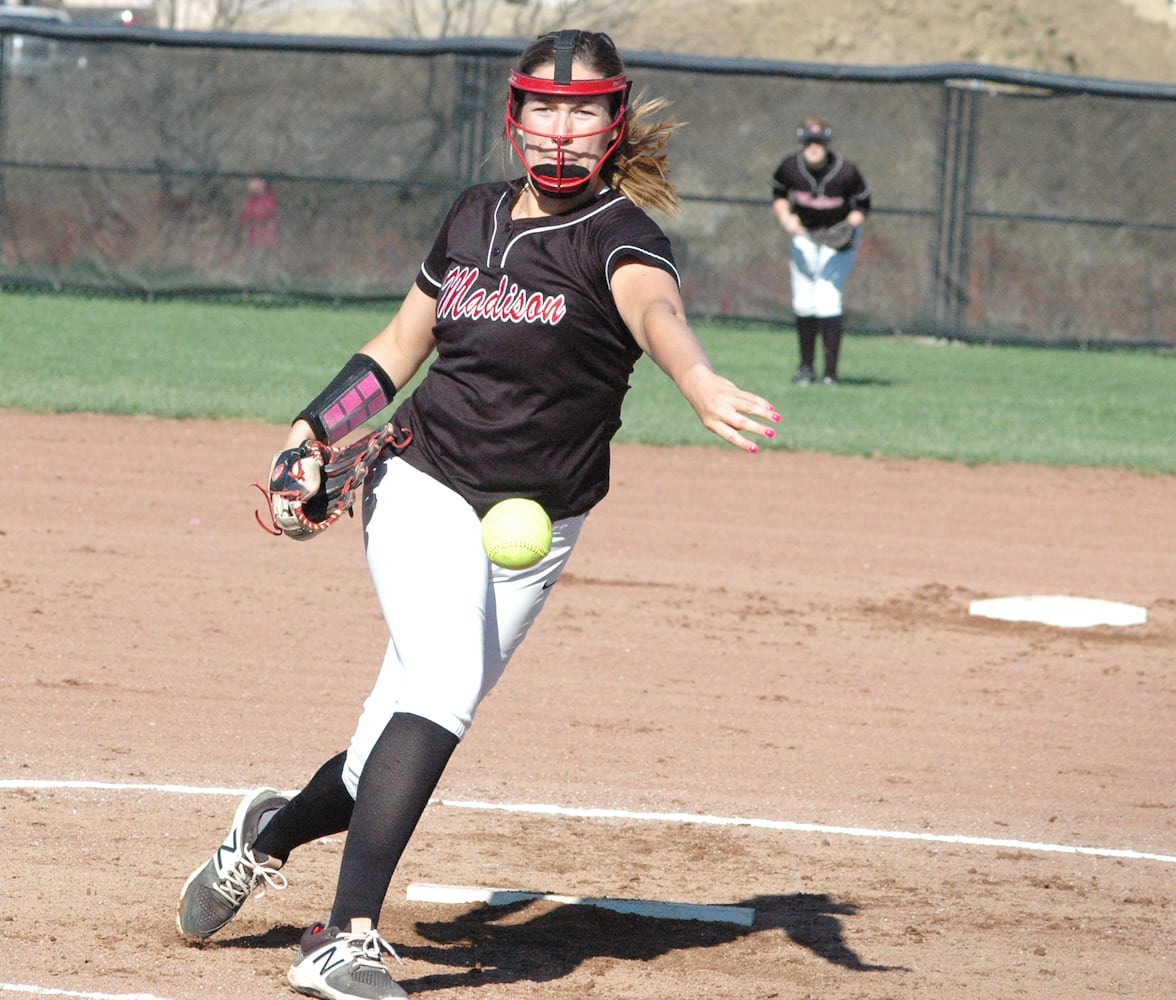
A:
(231, 847)
(324, 959)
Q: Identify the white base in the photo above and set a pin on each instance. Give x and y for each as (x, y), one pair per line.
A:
(1065, 612)
(426, 892)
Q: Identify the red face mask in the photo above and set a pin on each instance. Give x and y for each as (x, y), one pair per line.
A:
(560, 179)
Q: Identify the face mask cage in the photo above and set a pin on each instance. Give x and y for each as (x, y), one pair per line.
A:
(562, 179)
(820, 134)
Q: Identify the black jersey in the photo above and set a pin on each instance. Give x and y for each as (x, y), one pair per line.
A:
(821, 197)
(533, 359)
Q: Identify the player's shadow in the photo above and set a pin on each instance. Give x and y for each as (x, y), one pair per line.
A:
(278, 936)
(858, 381)
(495, 945)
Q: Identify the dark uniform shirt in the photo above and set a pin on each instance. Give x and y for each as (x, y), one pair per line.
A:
(822, 197)
(533, 360)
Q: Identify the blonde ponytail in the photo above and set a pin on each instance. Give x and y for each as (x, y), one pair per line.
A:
(640, 168)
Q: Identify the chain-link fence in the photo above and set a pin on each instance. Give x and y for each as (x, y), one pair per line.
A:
(1007, 205)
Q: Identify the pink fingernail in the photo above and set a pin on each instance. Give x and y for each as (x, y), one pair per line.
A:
(754, 448)
(769, 433)
(775, 416)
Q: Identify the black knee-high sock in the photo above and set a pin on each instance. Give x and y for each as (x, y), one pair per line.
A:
(807, 328)
(831, 329)
(322, 808)
(399, 777)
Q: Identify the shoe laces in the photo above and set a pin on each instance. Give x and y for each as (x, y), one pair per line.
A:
(369, 945)
(244, 876)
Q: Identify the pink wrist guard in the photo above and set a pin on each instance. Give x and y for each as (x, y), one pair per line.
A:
(360, 391)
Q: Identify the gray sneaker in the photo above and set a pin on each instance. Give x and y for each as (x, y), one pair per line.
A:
(217, 889)
(344, 965)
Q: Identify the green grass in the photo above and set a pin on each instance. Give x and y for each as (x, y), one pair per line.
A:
(171, 358)
(918, 398)
(900, 396)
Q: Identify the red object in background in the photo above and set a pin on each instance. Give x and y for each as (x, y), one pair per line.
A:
(260, 214)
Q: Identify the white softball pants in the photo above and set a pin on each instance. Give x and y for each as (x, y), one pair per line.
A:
(454, 618)
(819, 274)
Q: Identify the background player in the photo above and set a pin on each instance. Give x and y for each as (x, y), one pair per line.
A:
(813, 191)
(538, 297)
(260, 218)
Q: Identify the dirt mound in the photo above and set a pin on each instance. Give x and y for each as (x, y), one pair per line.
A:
(1115, 39)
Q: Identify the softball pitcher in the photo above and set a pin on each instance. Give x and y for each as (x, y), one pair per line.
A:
(822, 201)
(538, 297)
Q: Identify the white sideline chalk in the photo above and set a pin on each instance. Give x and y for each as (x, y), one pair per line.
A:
(426, 892)
(1059, 610)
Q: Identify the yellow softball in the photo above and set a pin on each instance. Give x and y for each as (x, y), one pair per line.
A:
(516, 533)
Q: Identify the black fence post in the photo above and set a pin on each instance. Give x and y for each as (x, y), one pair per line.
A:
(4, 44)
(950, 289)
(474, 100)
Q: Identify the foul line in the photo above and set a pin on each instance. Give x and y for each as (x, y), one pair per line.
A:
(695, 819)
(786, 825)
(43, 991)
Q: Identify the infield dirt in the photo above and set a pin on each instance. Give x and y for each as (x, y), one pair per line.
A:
(783, 638)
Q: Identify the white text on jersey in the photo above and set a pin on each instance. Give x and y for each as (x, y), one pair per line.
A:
(507, 303)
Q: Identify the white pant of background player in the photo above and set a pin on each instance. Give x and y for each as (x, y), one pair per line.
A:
(454, 619)
(819, 274)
